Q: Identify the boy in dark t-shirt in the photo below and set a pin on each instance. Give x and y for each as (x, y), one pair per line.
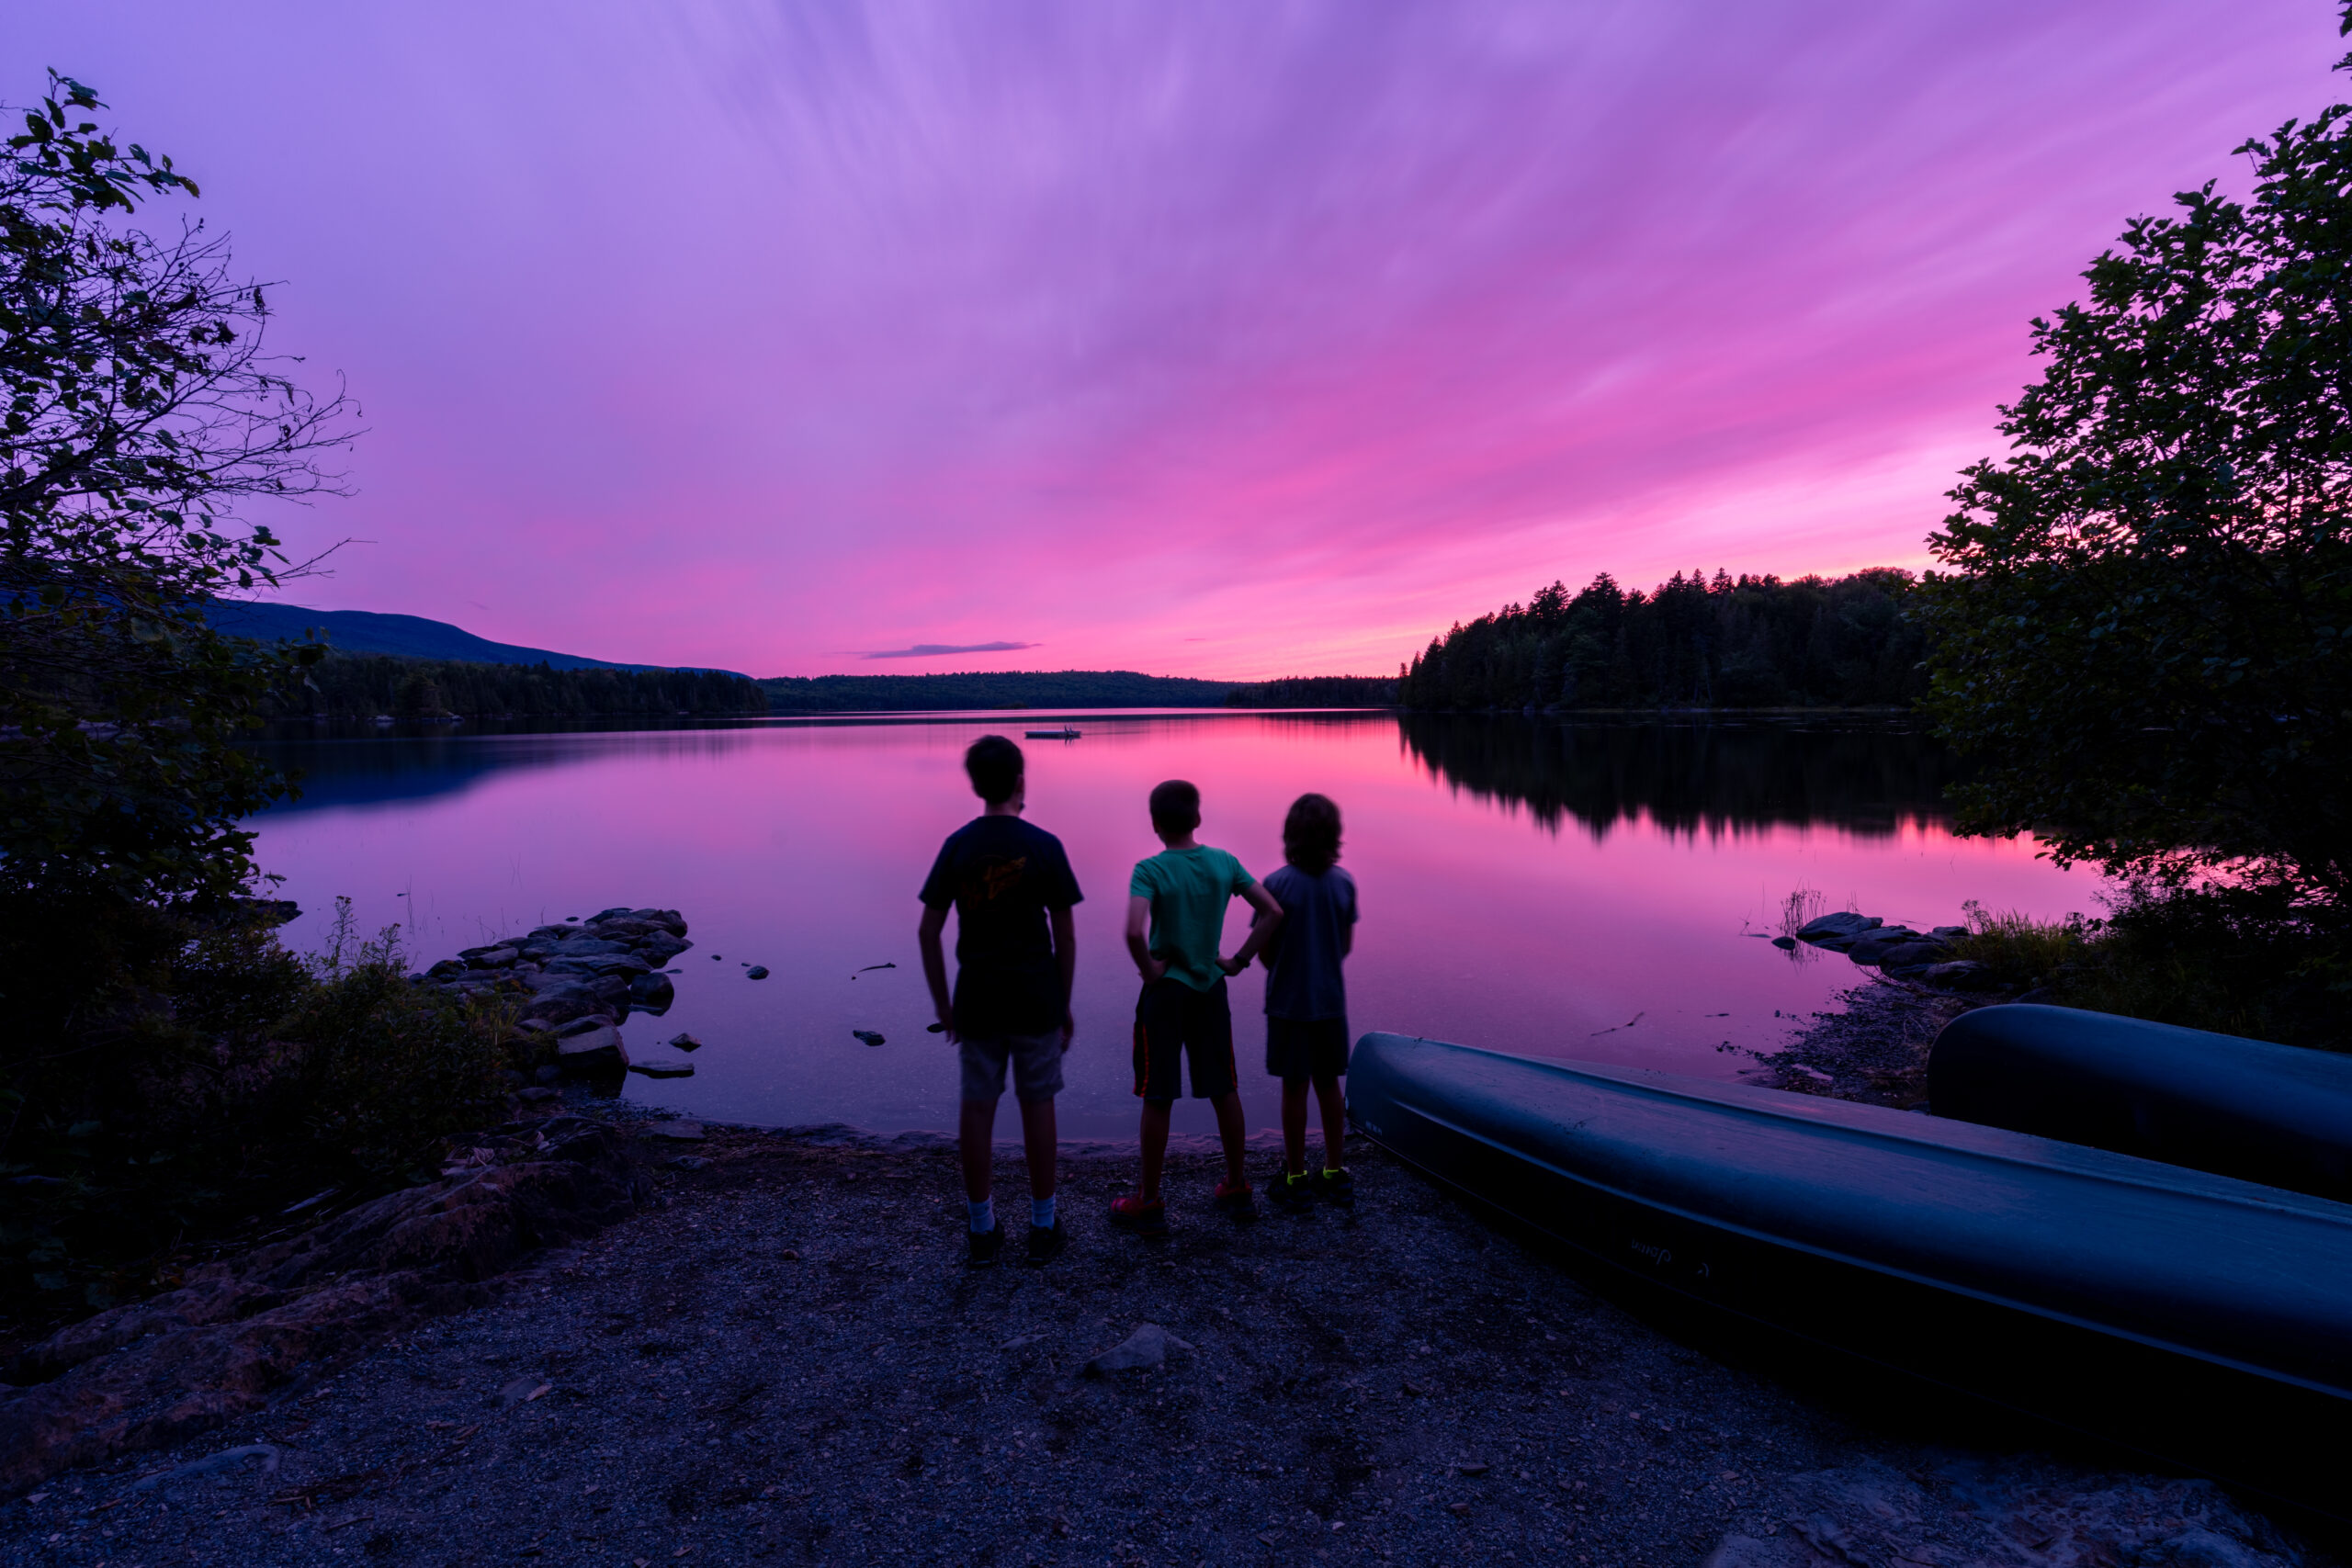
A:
(1010, 886)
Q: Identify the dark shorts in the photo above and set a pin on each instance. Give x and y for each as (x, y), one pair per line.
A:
(1307, 1048)
(1173, 1020)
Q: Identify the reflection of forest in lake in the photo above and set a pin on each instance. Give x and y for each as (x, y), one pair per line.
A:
(1870, 778)
(799, 844)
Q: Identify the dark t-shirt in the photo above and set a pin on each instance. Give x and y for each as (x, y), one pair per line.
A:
(1303, 979)
(1003, 875)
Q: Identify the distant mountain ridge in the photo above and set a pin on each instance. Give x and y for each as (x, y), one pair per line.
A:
(366, 632)
(407, 637)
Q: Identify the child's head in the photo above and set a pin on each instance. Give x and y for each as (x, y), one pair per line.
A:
(1311, 833)
(996, 768)
(1175, 808)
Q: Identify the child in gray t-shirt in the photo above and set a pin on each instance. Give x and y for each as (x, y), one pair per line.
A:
(1306, 997)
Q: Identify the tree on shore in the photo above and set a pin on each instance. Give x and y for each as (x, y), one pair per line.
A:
(2146, 631)
(1694, 641)
(142, 413)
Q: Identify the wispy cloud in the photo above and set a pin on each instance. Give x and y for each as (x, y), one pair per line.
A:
(1319, 324)
(930, 649)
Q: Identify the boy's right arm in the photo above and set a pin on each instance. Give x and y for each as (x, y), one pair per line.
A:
(934, 964)
(1139, 939)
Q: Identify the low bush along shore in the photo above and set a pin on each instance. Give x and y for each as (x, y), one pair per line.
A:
(636, 1340)
(2233, 961)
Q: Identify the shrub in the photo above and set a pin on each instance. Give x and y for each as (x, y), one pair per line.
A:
(2018, 951)
(2236, 960)
(386, 1067)
(178, 1081)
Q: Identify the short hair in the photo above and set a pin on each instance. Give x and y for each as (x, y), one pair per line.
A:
(1311, 833)
(996, 766)
(1175, 806)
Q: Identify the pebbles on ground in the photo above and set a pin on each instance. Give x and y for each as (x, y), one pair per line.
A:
(784, 1359)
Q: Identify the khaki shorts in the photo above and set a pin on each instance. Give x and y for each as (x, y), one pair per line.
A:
(1036, 1064)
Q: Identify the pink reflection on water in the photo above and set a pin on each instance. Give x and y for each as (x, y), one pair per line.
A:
(800, 847)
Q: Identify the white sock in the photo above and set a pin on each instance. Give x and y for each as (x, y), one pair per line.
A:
(1041, 1212)
(983, 1216)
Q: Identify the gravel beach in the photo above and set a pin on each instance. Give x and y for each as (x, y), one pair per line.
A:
(782, 1358)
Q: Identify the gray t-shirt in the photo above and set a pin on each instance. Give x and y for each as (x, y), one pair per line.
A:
(1303, 980)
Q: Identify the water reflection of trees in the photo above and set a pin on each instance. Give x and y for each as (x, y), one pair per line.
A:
(1867, 778)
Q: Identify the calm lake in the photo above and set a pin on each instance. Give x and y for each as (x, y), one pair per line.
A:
(1576, 890)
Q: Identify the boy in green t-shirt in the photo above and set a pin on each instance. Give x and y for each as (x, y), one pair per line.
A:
(1181, 894)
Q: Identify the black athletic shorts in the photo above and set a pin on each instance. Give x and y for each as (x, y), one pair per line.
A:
(1173, 1020)
(1307, 1048)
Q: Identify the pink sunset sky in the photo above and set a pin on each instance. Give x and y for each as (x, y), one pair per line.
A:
(1233, 338)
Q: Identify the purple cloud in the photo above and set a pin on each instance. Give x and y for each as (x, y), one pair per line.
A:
(929, 649)
(734, 331)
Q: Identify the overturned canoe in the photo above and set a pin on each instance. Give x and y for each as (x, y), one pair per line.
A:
(2192, 1317)
(2276, 1114)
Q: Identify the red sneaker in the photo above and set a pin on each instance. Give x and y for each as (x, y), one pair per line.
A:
(1132, 1214)
(1234, 1198)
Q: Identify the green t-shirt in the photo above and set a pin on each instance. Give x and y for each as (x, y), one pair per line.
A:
(1188, 890)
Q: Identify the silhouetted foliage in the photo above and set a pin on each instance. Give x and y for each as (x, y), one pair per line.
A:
(2147, 636)
(175, 1072)
(1696, 641)
(1000, 689)
(140, 413)
(364, 686)
(1316, 692)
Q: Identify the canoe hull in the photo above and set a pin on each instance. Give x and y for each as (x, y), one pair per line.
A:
(2275, 1114)
(1518, 1136)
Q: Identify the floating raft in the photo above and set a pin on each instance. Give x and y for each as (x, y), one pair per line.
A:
(2276, 1114)
(2194, 1317)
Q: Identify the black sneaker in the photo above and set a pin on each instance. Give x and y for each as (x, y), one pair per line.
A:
(986, 1244)
(1292, 1194)
(1337, 1186)
(1046, 1243)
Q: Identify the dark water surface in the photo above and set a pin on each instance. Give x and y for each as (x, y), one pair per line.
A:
(1580, 890)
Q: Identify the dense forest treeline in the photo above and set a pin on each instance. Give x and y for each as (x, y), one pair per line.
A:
(991, 689)
(1693, 642)
(365, 686)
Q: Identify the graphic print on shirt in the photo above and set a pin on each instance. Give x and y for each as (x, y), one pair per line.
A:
(999, 877)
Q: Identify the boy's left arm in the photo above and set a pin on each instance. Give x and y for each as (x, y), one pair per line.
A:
(1261, 928)
(1064, 931)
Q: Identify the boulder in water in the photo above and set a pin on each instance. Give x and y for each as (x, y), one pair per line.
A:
(1844, 925)
(592, 1053)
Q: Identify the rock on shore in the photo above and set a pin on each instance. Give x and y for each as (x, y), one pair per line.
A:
(1921, 957)
(576, 981)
